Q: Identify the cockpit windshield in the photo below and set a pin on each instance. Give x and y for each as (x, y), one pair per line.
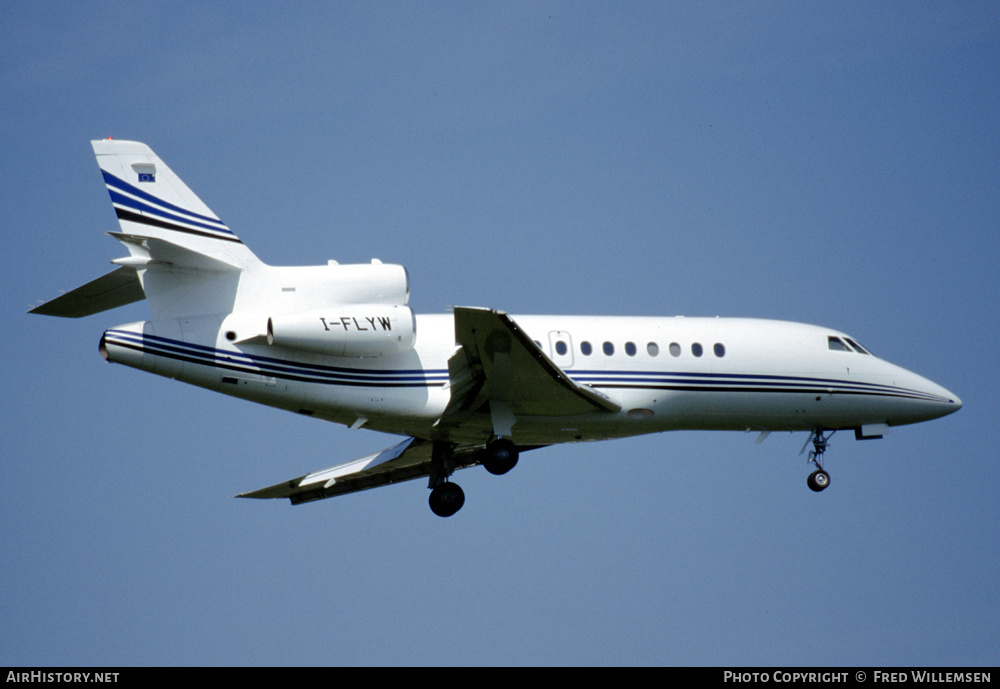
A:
(855, 344)
(846, 344)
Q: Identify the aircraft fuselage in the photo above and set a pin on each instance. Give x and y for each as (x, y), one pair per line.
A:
(665, 373)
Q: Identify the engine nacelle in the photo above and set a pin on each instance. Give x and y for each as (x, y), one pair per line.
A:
(308, 287)
(349, 330)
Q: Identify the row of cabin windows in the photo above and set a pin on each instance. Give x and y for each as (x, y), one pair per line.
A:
(652, 349)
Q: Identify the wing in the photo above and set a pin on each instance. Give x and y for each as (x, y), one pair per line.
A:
(502, 364)
(496, 370)
(410, 459)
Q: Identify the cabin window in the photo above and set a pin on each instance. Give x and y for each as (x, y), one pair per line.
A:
(630, 348)
(561, 348)
(719, 349)
(697, 349)
(585, 348)
(675, 349)
(653, 349)
(609, 348)
(836, 344)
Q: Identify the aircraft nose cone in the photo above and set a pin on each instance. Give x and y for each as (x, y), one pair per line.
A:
(926, 399)
(945, 401)
(953, 400)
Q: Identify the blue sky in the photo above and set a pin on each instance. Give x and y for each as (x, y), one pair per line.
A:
(834, 163)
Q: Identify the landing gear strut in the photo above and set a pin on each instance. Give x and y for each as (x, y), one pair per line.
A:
(819, 479)
(446, 498)
(499, 456)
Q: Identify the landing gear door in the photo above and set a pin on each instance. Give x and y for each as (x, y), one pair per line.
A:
(561, 348)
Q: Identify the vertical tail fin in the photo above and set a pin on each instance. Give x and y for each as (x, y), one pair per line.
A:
(183, 260)
(153, 203)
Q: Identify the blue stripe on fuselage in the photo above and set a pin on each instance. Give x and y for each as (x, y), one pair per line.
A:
(233, 360)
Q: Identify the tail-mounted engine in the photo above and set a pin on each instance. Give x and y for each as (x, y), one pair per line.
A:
(349, 330)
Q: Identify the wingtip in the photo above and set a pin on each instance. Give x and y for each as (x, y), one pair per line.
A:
(280, 490)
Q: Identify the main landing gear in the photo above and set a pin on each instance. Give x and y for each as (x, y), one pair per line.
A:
(447, 499)
(499, 456)
(819, 479)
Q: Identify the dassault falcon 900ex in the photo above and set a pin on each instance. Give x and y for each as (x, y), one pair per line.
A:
(475, 386)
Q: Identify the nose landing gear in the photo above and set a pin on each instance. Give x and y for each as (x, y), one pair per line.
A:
(819, 479)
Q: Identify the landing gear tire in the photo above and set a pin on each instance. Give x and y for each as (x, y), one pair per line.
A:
(447, 499)
(500, 456)
(818, 480)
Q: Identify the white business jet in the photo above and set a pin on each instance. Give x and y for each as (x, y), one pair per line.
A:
(475, 386)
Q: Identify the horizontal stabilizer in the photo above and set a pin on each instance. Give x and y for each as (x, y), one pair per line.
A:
(117, 288)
